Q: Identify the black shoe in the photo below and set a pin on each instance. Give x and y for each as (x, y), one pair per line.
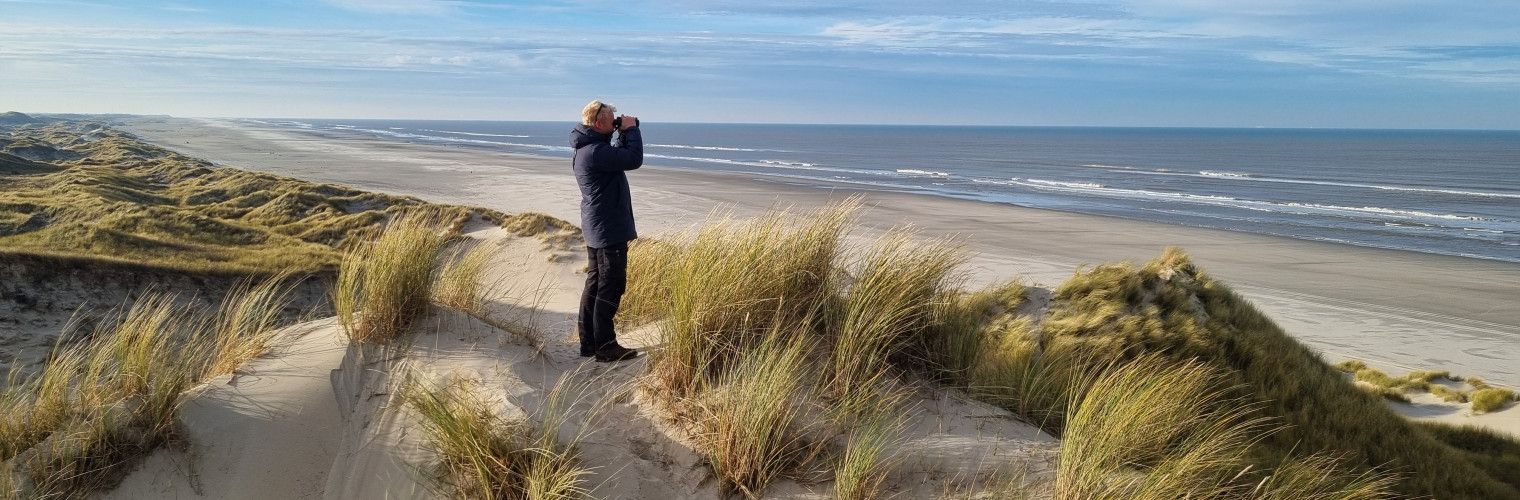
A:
(615, 352)
(587, 354)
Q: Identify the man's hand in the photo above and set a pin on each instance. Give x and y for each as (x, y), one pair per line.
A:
(630, 121)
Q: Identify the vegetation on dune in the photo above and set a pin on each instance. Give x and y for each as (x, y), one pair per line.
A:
(1239, 407)
(385, 283)
(1170, 308)
(103, 402)
(390, 278)
(1484, 398)
(483, 454)
(1496, 453)
(112, 197)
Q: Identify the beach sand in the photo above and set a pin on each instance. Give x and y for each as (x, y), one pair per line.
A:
(1395, 310)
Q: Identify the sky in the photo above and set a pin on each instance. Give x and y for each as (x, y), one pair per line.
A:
(1205, 63)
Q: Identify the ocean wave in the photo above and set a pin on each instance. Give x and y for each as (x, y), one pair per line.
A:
(461, 140)
(1270, 206)
(1100, 165)
(476, 134)
(1077, 185)
(791, 165)
(788, 163)
(1279, 180)
(914, 171)
(712, 148)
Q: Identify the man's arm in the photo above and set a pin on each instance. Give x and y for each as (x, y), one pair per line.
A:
(631, 147)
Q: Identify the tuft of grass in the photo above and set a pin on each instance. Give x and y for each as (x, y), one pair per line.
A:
(1153, 429)
(102, 403)
(384, 284)
(1322, 477)
(484, 455)
(1431, 375)
(1477, 383)
(748, 425)
(1351, 366)
(1490, 399)
(1448, 394)
(246, 322)
(886, 310)
(719, 288)
(461, 283)
(863, 468)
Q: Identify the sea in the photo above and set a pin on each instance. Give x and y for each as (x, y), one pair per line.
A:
(1449, 192)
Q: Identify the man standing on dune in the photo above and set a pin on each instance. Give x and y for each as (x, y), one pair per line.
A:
(606, 221)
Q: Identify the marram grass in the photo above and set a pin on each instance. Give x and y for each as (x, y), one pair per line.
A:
(721, 289)
(385, 283)
(102, 403)
(125, 201)
(484, 455)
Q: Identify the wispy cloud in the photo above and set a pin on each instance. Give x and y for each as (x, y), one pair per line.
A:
(795, 54)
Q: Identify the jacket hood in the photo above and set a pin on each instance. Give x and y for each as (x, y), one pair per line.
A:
(582, 135)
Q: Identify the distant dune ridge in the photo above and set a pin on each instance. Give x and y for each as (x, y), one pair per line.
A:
(110, 196)
(783, 361)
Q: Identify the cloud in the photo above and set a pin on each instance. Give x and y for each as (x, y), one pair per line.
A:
(397, 6)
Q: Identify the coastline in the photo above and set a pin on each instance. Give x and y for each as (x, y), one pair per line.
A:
(1394, 309)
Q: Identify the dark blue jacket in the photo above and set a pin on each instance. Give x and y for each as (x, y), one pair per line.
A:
(606, 204)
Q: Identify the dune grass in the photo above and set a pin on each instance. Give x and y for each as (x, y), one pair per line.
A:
(1490, 399)
(1169, 307)
(482, 454)
(749, 423)
(719, 289)
(105, 401)
(1154, 429)
(126, 201)
(867, 459)
(889, 302)
(1484, 397)
(462, 282)
(1496, 453)
(386, 283)
(245, 324)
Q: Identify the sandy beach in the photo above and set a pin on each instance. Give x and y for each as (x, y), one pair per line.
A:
(1395, 310)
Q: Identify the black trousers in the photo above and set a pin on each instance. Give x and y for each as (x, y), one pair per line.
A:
(606, 278)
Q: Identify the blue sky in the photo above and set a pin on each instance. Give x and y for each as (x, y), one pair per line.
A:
(1276, 63)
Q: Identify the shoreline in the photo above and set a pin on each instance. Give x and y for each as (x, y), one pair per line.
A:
(1392, 308)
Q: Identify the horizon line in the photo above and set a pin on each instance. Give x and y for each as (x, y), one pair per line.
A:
(853, 124)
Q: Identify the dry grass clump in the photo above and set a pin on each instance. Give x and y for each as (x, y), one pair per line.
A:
(1490, 399)
(122, 200)
(1154, 429)
(461, 283)
(719, 288)
(890, 300)
(384, 284)
(769, 320)
(110, 398)
(749, 424)
(245, 325)
(1170, 308)
(1484, 397)
(482, 454)
(863, 468)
